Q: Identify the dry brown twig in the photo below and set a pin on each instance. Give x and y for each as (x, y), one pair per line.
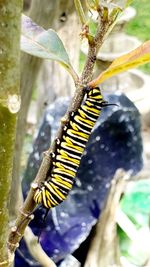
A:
(143, 174)
(36, 250)
(105, 239)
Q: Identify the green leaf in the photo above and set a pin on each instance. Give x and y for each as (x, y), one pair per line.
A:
(41, 43)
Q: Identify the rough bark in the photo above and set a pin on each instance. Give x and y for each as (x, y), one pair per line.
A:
(10, 12)
(46, 14)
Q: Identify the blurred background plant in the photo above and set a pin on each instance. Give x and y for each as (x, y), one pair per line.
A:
(140, 24)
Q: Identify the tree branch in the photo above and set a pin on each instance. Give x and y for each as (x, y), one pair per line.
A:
(94, 46)
(29, 205)
(10, 13)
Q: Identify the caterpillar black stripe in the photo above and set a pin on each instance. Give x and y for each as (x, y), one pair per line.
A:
(69, 151)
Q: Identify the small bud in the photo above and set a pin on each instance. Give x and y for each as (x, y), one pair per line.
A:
(34, 185)
(32, 216)
(14, 229)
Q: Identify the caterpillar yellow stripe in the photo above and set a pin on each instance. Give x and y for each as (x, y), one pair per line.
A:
(69, 151)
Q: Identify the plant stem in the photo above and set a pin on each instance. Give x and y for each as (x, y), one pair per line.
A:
(94, 46)
(80, 12)
(29, 205)
(10, 13)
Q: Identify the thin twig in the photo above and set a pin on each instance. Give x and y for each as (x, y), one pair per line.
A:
(29, 204)
(94, 46)
(80, 12)
(105, 238)
(142, 175)
(36, 250)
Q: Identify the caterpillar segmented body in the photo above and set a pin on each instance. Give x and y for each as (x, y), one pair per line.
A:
(69, 151)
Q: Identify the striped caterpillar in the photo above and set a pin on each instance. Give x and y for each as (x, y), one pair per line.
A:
(69, 150)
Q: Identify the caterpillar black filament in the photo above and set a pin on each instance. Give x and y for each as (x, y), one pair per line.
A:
(69, 151)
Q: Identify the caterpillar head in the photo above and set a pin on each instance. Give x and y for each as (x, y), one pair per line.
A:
(95, 93)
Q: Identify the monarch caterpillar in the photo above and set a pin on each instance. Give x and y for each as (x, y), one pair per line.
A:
(69, 151)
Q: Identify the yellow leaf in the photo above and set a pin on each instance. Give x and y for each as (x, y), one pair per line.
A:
(139, 56)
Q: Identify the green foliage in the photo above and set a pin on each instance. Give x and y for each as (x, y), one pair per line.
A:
(128, 2)
(136, 202)
(136, 205)
(140, 25)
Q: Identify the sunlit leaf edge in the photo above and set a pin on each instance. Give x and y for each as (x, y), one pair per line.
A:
(30, 45)
(130, 60)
